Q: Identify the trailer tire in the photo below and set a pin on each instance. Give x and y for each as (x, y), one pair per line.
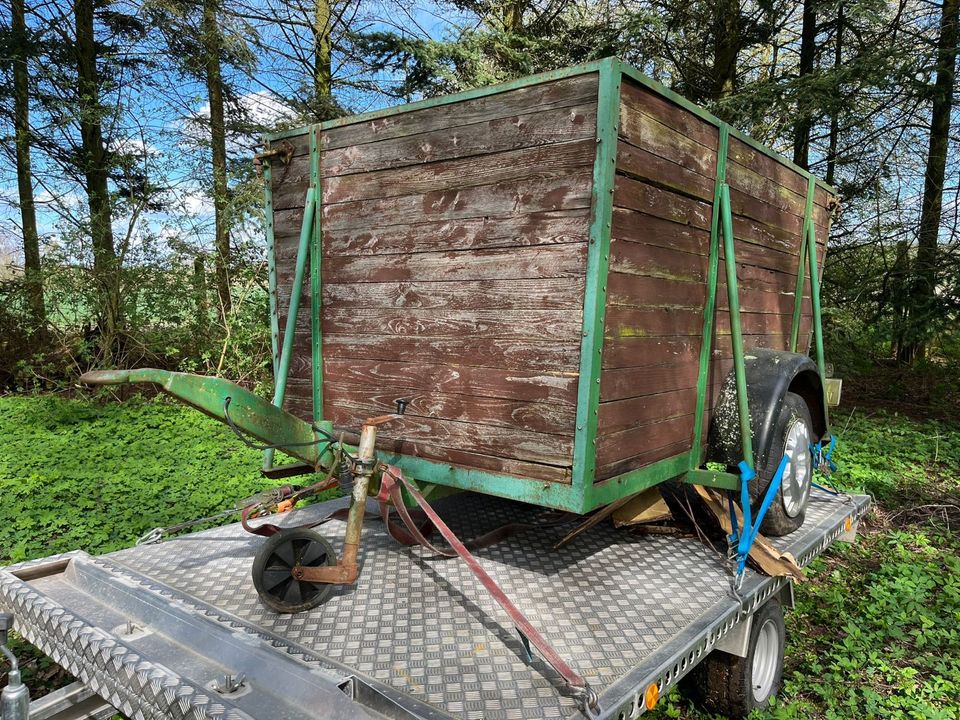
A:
(733, 686)
(272, 566)
(793, 433)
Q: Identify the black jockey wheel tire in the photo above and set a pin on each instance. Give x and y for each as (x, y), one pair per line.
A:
(787, 514)
(272, 566)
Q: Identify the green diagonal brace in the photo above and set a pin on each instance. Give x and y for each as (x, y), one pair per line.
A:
(709, 308)
(736, 334)
(293, 308)
(801, 268)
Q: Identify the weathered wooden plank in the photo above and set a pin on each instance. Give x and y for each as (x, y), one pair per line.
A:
(493, 352)
(542, 161)
(300, 405)
(510, 442)
(644, 165)
(545, 96)
(545, 261)
(636, 100)
(568, 192)
(625, 322)
(641, 351)
(547, 326)
(676, 136)
(675, 263)
(640, 291)
(647, 199)
(742, 154)
(619, 383)
(539, 385)
(543, 228)
(615, 416)
(532, 128)
(523, 294)
(614, 448)
(643, 458)
(364, 402)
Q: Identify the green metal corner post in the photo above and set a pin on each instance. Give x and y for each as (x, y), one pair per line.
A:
(315, 333)
(595, 293)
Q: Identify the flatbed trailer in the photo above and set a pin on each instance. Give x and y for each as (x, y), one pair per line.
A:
(155, 629)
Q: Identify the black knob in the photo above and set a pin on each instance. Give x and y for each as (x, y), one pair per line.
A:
(401, 406)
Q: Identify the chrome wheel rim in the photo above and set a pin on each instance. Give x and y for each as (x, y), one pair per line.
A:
(795, 484)
(766, 660)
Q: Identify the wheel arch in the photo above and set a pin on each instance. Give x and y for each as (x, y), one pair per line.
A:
(770, 375)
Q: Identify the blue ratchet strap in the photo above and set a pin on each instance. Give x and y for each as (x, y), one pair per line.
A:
(746, 537)
(818, 454)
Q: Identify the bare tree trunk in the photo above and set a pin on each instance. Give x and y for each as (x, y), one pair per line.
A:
(808, 38)
(106, 268)
(513, 15)
(200, 296)
(323, 50)
(218, 151)
(835, 116)
(726, 48)
(28, 215)
(923, 294)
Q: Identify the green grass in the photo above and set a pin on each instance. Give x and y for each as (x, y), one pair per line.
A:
(876, 632)
(74, 474)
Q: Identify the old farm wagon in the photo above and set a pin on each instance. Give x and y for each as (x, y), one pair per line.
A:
(554, 293)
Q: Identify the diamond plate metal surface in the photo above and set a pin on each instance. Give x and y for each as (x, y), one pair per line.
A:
(426, 627)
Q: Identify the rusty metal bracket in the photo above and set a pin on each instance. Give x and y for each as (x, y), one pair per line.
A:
(284, 151)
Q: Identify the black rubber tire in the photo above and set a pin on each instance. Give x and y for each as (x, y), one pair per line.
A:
(276, 586)
(776, 522)
(722, 683)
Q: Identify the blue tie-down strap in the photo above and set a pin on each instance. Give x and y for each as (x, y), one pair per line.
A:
(822, 459)
(744, 537)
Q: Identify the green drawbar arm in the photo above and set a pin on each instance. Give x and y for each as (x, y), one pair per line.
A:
(248, 412)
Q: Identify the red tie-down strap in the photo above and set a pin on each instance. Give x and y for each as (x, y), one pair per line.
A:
(390, 490)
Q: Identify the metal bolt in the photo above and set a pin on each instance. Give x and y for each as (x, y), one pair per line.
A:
(230, 683)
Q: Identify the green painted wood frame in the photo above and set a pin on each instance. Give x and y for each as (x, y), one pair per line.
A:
(582, 494)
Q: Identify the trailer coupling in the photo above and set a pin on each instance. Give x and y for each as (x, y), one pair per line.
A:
(233, 405)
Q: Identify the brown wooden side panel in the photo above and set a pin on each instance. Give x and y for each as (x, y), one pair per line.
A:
(454, 244)
(659, 265)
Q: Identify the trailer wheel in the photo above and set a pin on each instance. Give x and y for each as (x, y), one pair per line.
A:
(278, 588)
(733, 686)
(792, 435)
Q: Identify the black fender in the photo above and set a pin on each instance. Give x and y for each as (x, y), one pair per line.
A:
(770, 375)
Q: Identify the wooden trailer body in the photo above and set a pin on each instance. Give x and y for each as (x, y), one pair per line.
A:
(529, 265)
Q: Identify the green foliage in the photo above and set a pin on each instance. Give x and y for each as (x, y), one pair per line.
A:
(75, 474)
(895, 459)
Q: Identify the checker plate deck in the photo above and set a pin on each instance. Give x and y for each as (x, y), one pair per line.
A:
(624, 609)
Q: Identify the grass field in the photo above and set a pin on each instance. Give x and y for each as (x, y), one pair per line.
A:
(876, 632)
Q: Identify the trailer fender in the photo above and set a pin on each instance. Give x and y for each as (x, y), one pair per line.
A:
(770, 375)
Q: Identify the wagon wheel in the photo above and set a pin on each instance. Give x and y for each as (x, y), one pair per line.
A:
(274, 563)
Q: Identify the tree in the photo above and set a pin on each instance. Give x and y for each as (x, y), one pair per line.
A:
(923, 295)
(21, 98)
(212, 45)
(95, 162)
(808, 49)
